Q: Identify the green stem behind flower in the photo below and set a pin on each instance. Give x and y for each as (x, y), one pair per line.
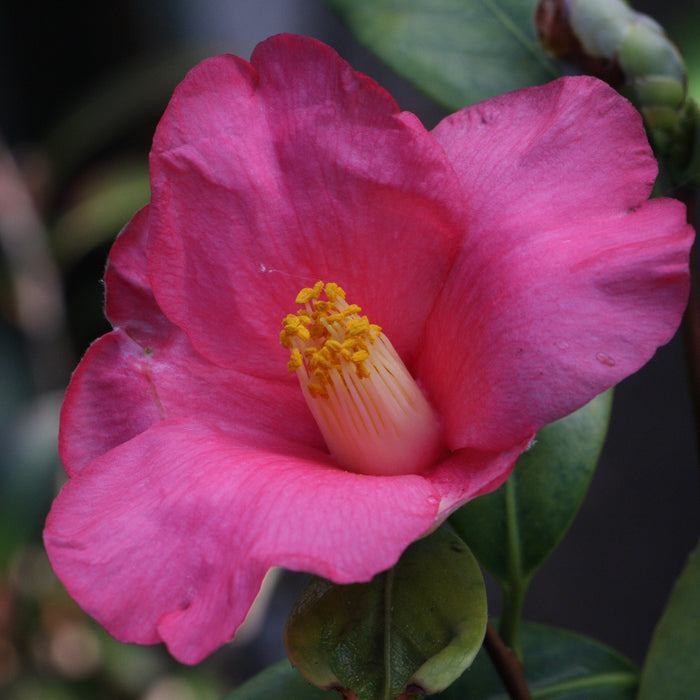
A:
(514, 593)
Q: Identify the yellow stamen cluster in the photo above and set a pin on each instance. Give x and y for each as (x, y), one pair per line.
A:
(326, 335)
(371, 412)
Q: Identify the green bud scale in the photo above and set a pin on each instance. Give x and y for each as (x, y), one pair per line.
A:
(631, 52)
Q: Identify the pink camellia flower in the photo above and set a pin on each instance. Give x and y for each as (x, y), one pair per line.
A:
(440, 297)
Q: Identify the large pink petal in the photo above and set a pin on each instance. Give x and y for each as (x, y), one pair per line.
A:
(567, 282)
(270, 176)
(468, 473)
(109, 400)
(560, 152)
(168, 536)
(130, 304)
(147, 371)
(120, 389)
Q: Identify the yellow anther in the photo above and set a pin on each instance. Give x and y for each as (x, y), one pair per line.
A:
(321, 375)
(305, 295)
(350, 310)
(321, 359)
(359, 356)
(362, 371)
(309, 293)
(357, 326)
(333, 291)
(327, 334)
(323, 307)
(295, 361)
(316, 390)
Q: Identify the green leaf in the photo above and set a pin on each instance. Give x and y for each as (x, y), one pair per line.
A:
(417, 625)
(672, 667)
(559, 665)
(513, 530)
(281, 682)
(457, 51)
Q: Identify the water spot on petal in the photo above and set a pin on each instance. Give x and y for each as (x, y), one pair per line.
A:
(561, 344)
(433, 500)
(605, 359)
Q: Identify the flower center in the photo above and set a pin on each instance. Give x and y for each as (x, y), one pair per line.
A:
(373, 416)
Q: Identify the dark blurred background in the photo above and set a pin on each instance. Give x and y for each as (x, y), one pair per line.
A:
(82, 85)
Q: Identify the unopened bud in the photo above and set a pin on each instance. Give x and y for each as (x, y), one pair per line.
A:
(409, 631)
(631, 52)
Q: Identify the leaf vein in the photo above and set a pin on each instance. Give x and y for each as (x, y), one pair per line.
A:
(623, 679)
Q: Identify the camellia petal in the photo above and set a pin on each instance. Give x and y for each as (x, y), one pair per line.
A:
(129, 303)
(567, 280)
(218, 513)
(319, 176)
(509, 257)
(468, 473)
(120, 390)
(146, 371)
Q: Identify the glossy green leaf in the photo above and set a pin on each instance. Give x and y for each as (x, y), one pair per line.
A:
(559, 665)
(513, 530)
(282, 682)
(672, 667)
(457, 51)
(418, 625)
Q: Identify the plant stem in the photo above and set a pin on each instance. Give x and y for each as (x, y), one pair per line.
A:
(514, 593)
(507, 664)
(512, 611)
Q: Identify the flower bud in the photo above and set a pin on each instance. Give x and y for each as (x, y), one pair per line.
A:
(631, 52)
(409, 631)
